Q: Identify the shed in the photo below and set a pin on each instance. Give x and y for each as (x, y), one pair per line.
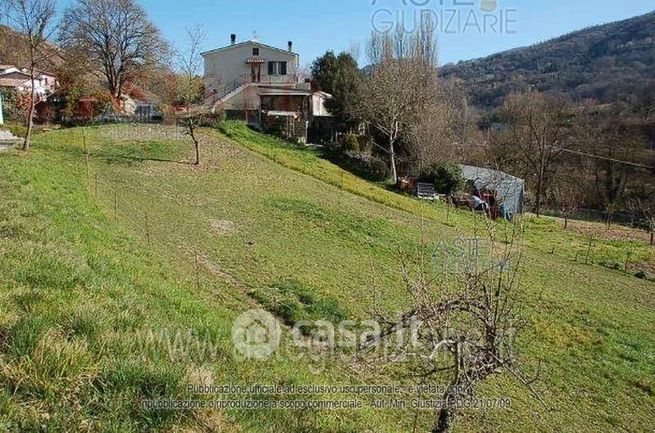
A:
(508, 189)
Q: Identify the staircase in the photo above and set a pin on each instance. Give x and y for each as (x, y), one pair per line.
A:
(228, 93)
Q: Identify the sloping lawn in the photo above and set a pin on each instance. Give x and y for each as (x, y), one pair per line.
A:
(88, 267)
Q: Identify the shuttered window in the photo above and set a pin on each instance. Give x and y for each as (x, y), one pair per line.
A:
(277, 68)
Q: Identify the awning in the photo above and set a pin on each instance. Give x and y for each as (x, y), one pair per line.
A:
(274, 113)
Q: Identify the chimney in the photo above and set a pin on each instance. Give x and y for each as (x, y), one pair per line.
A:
(290, 46)
(233, 38)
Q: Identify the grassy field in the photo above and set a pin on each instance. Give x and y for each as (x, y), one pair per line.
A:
(96, 258)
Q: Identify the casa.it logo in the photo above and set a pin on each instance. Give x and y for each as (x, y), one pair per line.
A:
(256, 334)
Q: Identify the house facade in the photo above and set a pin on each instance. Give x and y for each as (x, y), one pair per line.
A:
(261, 84)
(246, 62)
(14, 77)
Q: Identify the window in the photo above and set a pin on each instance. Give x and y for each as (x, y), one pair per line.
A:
(277, 68)
(255, 51)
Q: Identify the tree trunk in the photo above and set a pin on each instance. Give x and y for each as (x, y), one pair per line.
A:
(392, 155)
(30, 116)
(652, 238)
(444, 421)
(566, 223)
(540, 187)
(196, 142)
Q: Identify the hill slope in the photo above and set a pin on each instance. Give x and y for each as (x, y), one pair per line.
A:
(604, 62)
(88, 267)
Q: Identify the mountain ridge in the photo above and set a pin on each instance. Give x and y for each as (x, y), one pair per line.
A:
(607, 62)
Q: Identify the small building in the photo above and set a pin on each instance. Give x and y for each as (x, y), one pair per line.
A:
(498, 189)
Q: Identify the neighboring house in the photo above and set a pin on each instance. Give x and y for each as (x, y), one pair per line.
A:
(13, 77)
(261, 84)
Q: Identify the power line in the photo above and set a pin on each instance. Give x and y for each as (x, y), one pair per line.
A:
(591, 155)
(605, 158)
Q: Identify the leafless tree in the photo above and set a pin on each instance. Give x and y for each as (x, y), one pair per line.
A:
(402, 81)
(190, 88)
(35, 19)
(567, 196)
(442, 130)
(537, 134)
(117, 35)
(645, 210)
(462, 323)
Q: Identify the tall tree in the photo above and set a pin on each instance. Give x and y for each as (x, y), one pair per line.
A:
(401, 84)
(537, 134)
(324, 71)
(35, 20)
(117, 34)
(339, 76)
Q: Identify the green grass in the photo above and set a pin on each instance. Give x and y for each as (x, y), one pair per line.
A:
(265, 224)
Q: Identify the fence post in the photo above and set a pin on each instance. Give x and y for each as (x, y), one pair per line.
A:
(86, 152)
(197, 272)
(588, 250)
(627, 261)
(145, 217)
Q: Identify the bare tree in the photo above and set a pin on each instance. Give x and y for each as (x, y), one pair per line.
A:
(644, 209)
(402, 81)
(442, 130)
(117, 34)
(190, 88)
(567, 196)
(35, 20)
(462, 323)
(537, 133)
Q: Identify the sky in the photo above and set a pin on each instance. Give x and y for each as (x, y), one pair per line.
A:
(464, 30)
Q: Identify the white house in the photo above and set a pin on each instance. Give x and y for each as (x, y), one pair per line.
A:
(14, 77)
(246, 62)
(262, 85)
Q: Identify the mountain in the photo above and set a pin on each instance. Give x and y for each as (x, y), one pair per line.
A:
(607, 62)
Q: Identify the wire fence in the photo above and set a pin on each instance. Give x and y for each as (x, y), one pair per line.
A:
(591, 250)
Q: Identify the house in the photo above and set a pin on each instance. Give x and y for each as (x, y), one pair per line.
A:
(261, 84)
(11, 76)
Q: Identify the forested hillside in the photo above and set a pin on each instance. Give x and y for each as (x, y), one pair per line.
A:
(607, 62)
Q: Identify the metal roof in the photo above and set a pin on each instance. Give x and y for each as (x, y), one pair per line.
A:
(509, 189)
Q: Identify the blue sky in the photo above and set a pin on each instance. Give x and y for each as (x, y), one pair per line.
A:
(318, 25)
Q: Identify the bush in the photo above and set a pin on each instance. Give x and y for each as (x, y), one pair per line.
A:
(351, 143)
(446, 177)
(15, 128)
(378, 170)
(642, 275)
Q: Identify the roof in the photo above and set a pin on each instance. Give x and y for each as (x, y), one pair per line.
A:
(277, 113)
(509, 189)
(240, 44)
(12, 82)
(279, 91)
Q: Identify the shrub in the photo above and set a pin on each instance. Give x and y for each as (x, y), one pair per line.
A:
(642, 275)
(351, 143)
(377, 169)
(446, 177)
(16, 129)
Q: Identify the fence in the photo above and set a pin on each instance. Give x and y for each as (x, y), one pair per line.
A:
(589, 251)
